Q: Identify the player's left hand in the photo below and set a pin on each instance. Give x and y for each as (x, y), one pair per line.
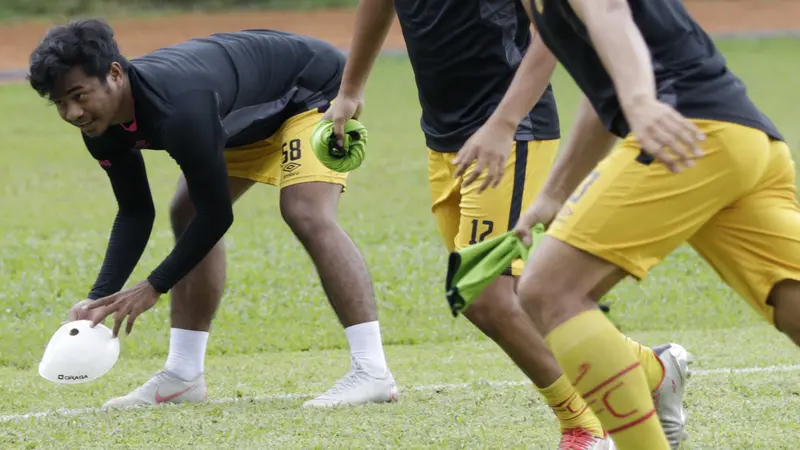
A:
(489, 148)
(130, 302)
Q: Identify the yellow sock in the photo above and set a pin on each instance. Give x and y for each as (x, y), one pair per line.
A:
(595, 356)
(653, 369)
(570, 408)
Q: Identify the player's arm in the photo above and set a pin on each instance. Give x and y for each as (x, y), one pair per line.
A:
(195, 139)
(621, 48)
(530, 81)
(373, 22)
(134, 220)
(526, 88)
(626, 57)
(491, 145)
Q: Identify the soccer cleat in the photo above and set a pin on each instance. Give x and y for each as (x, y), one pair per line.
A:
(358, 387)
(580, 439)
(163, 387)
(668, 397)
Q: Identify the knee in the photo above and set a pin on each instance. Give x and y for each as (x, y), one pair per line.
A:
(548, 303)
(534, 298)
(495, 308)
(785, 298)
(306, 217)
(181, 211)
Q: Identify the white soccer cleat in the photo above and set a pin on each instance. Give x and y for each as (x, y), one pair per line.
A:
(668, 397)
(356, 388)
(163, 387)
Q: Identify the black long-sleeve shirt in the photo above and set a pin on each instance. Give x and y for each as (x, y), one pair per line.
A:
(193, 100)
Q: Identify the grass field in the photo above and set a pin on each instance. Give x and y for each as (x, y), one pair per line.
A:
(14, 10)
(276, 341)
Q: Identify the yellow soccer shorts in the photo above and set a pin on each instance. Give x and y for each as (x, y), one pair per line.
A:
(465, 217)
(285, 158)
(737, 208)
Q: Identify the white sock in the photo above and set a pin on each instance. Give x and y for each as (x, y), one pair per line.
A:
(187, 353)
(366, 347)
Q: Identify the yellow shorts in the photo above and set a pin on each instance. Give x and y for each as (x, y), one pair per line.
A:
(737, 208)
(285, 158)
(466, 217)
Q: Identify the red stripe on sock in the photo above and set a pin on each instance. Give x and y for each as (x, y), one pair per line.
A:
(612, 379)
(634, 423)
(575, 414)
(565, 402)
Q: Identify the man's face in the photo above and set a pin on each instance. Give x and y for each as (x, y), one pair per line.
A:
(90, 103)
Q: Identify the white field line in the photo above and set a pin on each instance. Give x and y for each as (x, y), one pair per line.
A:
(423, 387)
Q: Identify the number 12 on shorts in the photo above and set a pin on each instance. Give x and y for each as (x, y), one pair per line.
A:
(487, 228)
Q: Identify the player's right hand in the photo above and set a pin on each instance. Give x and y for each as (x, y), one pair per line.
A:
(343, 109)
(543, 210)
(488, 148)
(665, 134)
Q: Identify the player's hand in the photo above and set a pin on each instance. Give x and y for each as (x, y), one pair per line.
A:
(343, 109)
(489, 148)
(79, 311)
(130, 302)
(665, 134)
(543, 210)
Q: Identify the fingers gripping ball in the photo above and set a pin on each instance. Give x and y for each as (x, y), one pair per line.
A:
(331, 155)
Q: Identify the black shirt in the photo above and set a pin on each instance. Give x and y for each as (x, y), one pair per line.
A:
(193, 100)
(691, 74)
(464, 56)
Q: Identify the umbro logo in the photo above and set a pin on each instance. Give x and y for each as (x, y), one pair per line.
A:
(291, 167)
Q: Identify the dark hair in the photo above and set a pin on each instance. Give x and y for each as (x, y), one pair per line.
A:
(87, 43)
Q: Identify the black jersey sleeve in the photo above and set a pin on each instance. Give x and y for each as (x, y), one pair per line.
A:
(194, 137)
(134, 220)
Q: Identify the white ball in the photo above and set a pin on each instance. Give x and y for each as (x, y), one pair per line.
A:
(78, 353)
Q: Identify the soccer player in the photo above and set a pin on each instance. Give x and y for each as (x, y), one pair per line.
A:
(698, 162)
(464, 57)
(232, 110)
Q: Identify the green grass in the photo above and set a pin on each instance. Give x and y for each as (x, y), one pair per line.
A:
(275, 332)
(15, 10)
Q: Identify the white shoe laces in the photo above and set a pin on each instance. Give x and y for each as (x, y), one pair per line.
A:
(351, 380)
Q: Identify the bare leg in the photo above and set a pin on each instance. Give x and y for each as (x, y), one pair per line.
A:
(310, 211)
(557, 291)
(195, 299)
(498, 314)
